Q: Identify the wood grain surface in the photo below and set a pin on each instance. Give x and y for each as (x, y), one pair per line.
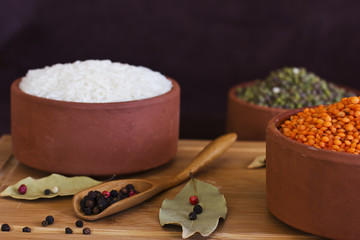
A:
(244, 190)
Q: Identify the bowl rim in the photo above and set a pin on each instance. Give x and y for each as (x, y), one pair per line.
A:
(232, 95)
(329, 155)
(173, 92)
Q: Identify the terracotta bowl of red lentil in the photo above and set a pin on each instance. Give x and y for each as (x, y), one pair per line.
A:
(98, 139)
(248, 120)
(312, 189)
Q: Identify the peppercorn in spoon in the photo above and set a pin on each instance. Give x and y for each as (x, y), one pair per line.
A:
(149, 188)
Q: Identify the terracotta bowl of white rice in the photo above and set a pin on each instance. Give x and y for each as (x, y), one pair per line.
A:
(94, 117)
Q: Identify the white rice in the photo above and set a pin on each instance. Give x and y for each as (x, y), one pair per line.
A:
(95, 81)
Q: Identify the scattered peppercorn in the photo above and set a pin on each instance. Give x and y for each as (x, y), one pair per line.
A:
(68, 230)
(50, 219)
(47, 191)
(197, 209)
(26, 229)
(5, 227)
(290, 88)
(44, 223)
(22, 189)
(192, 216)
(55, 189)
(194, 199)
(86, 231)
(334, 127)
(79, 223)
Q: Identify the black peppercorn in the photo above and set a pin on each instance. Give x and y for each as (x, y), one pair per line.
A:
(79, 223)
(130, 187)
(197, 209)
(100, 199)
(86, 231)
(47, 191)
(5, 227)
(82, 204)
(50, 219)
(96, 210)
(101, 203)
(91, 195)
(108, 202)
(44, 223)
(88, 211)
(68, 230)
(89, 203)
(114, 200)
(26, 229)
(192, 216)
(124, 191)
(122, 196)
(113, 193)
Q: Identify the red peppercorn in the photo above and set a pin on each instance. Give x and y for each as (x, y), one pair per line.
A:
(194, 199)
(106, 194)
(132, 193)
(22, 189)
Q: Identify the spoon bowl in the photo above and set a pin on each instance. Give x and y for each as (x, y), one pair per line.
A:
(148, 188)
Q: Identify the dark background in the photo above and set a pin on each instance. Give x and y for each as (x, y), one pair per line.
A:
(206, 45)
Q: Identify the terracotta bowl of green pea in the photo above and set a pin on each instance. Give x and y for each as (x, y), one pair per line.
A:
(248, 120)
(311, 189)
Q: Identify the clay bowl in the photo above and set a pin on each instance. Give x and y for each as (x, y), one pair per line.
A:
(314, 190)
(94, 138)
(248, 120)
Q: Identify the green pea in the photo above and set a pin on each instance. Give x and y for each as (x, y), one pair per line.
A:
(292, 87)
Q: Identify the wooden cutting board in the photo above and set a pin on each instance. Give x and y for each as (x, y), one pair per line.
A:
(244, 190)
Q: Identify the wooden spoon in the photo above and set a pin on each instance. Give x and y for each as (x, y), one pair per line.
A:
(149, 188)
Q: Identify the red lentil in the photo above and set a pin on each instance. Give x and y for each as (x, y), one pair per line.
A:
(334, 127)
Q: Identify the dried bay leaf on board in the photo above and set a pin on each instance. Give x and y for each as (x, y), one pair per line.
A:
(177, 211)
(258, 162)
(35, 187)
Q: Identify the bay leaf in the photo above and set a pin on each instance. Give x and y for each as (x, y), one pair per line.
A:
(176, 211)
(35, 187)
(258, 162)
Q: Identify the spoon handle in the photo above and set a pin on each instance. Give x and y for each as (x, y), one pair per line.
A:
(212, 151)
